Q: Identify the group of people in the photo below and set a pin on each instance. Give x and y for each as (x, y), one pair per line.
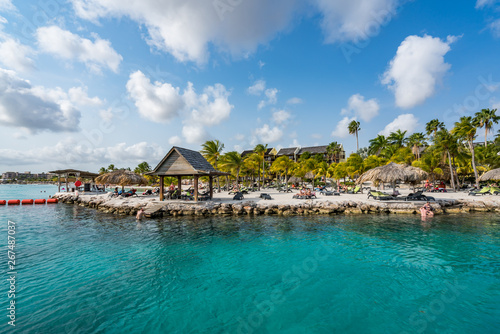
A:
(437, 187)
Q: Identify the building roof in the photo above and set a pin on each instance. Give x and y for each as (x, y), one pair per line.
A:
(247, 152)
(183, 162)
(313, 149)
(286, 151)
(75, 172)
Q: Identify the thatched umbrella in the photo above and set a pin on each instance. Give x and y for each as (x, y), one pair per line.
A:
(295, 179)
(493, 174)
(121, 177)
(391, 173)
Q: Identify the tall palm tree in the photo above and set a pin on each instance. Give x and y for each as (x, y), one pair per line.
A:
(353, 130)
(433, 126)
(261, 150)
(397, 138)
(466, 131)
(252, 163)
(417, 140)
(283, 164)
(333, 150)
(232, 161)
(485, 118)
(377, 145)
(448, 144)
(212, 150)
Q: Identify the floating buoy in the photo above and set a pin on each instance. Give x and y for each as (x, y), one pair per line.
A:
(3, 202)
(26, 201)
(14, 202)
(40, 201)
(52, 200)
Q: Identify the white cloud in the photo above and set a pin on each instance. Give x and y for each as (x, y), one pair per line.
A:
(194, 133)
(35, 108)
(281, 116)
(161, 102)
(365, 110)
(316, 136)
(495, 28)
(257, 88)
(341, 130)
(354, 19)
(158, 102)
(175, 141)
(6, 5)
(261, 64)
(295, 100)
(239, 137)
(267, 135)
(79, 96)
(417, 68)
(15, 55)
(405, 122)
(272, 98)
(485, 3)
(188, 29)
(106, 114)
(66, 45)
(69, 151)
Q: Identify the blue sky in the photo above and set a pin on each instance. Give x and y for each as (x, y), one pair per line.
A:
(87, 83)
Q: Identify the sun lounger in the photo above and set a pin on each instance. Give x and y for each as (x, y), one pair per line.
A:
(378, 195)
(483, 191)
(419, 196)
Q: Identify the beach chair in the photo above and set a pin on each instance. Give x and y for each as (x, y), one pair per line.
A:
(494, 190)
(483, 191)
(419, 196)
(356, 190)
(380, 196)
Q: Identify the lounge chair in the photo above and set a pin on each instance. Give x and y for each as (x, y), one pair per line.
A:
(419, 196)
(356, 190)
(129, 193)
(378, 195)
(483, 191)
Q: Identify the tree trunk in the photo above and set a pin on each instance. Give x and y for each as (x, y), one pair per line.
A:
(471, 146)
(286, 179)
(452, 177)
(357, 143)
(263, 168)
(485, 136)
(258, 183)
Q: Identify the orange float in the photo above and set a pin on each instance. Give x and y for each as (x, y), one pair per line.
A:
(40, 201)
(13, 202)
(52, 200)
(27, 201)
(3, 202)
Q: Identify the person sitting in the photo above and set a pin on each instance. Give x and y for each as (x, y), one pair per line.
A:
(140, 214)
(148, 192)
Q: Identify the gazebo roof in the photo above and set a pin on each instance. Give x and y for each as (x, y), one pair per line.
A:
(75, 172)
(183, 162)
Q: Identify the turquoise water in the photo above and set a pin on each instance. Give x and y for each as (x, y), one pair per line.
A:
(80, 271)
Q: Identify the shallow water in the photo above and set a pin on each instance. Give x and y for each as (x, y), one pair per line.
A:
(81, 271)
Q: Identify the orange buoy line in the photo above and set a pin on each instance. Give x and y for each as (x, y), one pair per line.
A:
(28, 201)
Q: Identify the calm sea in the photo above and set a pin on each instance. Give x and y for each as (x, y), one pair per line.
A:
(80, 271)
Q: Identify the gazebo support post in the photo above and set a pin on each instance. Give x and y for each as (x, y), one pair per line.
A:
(179, 185)
(196, 188)
(161, 188)
(58, 183)
(211, 186)
(66, 177)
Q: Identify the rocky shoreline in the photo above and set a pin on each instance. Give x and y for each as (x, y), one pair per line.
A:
(156, 209)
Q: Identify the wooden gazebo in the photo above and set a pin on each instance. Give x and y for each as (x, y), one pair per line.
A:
(72, 172)
(181, 162)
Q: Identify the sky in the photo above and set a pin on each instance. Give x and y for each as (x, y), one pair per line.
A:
(88, 83)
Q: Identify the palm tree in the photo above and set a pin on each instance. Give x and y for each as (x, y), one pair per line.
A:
(397, 138)
(417, 140)
(466, 131)
(232, 161)
(212, 150)
(142, 168)
(333, 150)
(377, 145)
(283, 164)
(353, 130)
(448, 143)
(252, 163)
(433, 126)
(261, 150)
(103, 170)
(485, 118)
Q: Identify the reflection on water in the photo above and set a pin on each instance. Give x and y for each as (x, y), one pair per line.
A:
(84, 271)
